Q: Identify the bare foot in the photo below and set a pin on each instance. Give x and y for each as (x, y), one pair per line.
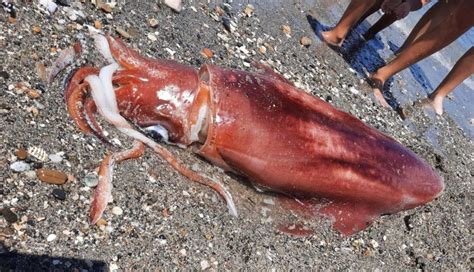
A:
(330, 38)
(380, 99)
(377, 87)
(405, 111)
(436, 104)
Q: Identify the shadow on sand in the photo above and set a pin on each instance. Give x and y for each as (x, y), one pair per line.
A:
(13, 261)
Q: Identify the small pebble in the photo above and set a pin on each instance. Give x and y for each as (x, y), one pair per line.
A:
(162, 241)
(106, 8)
(33, 94)
(153, 22)
(113, 267)
(262, 49)
(204, 265)
(206, 52)
(248, 10)
(228, 24)
(183, 252)
(30, 174)
(152, 37)
(37, 29)
(305, 41)
(64, 3)
(4, 74)
(51, 176)
(51, 237)
(97, 24)
(117, 210)
(176, 5)
(353, 90)
(123, 32)
(48, 5)
(101, 222)
(9, 215)
(269, 201)
(374, 243)
(219, 11)
(286, 29)
(19, 166)
(59, 194)
(21, 154)
(91, 180)
(56, 158)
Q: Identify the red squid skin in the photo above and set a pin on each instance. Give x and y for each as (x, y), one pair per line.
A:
(281, 138)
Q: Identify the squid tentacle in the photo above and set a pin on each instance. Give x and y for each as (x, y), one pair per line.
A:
(80, 107)
(103, 192)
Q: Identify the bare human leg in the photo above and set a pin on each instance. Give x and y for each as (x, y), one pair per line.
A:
(382, 23)
(457, 19)
(354, 12)
(432, 17)
(392, 13)
(461, 70)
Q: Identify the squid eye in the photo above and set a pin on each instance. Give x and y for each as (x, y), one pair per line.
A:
(158, 133)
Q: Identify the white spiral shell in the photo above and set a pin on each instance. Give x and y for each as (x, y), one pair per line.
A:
(38, 153)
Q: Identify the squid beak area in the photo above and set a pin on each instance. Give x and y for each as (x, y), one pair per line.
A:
(75, 80)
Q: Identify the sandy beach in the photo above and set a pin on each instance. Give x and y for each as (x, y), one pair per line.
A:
(159, 220)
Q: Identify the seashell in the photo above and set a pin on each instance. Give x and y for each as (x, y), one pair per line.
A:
(38, 153)
(176, 5)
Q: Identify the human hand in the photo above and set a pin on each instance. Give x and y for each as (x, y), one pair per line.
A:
(399, 8)
(389, 5)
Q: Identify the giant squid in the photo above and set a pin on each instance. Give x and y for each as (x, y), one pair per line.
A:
(257, 125)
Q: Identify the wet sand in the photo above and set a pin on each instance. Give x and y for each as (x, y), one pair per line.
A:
(171, 223)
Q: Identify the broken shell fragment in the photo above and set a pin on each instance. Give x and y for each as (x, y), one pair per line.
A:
(305, 41)
(286, 29)
(153, 22)
(176, 5)
(123, 32)
(97, 24)
(38, 153)
(206, 52)
(248, 10)
(37, 29)
(106, 8)
(33, 94)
